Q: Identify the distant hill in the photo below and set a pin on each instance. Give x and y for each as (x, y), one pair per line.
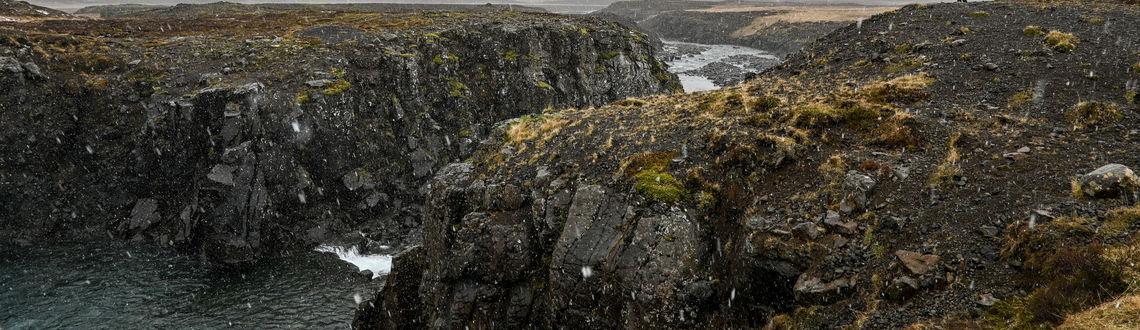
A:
(11, 8)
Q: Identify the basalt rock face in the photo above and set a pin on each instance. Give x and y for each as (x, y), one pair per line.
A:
(235, 143)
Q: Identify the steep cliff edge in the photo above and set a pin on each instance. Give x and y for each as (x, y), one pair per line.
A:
(940, 165)
(237, 135)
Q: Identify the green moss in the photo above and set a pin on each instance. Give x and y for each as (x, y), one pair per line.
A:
(609, 55)
(904, 49)
(1132, 97)
(437, 60)
(542, 84)
(337, 87)
(1032, 31)
(978, 14)
(659, 186)
(1136, 68)
(510, 55)
(302, 97)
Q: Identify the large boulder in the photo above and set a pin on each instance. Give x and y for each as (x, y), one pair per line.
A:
(1107, 181)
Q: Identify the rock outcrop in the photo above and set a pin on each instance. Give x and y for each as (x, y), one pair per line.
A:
(298, 128)
(861, 183)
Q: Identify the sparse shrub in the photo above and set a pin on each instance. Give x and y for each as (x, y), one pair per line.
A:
(1136, 68)
(1021, 98)
(897, 131)
(1119, 219)
(979, 13)
(1060, 41)
(765, 104)
(1132, 97)
(1092, 113)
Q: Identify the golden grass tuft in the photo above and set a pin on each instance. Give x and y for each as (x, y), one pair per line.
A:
(531, 127)
(908, 88)
(949, 167)
(1122, 314)
(1021, 98)
(1060, 41)
(1033, 31)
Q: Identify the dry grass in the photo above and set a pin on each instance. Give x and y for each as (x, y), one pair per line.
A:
(949, 167)
(532, 127)
(909, 88)
(1092, 113)
(1021, 98)
(1122, 314)
(1060, 41)
(797, 14)
(1033, 31)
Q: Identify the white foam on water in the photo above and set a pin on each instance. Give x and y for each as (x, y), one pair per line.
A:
(379, 264)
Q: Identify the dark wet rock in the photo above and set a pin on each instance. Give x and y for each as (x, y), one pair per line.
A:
(1108, 181)
(252, 163)
(917, 263)
(398, 305)
(144, 214)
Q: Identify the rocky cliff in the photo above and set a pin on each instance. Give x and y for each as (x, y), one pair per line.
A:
(237, 135)
(949, 165)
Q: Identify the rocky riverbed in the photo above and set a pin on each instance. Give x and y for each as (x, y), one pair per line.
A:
(704, 67)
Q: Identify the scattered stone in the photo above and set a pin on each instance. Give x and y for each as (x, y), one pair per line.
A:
(917, 263)
(902, 288)
(1108, 181)
(144, 213)
(811, 288)
(317, 83)
(958, 42)
(222, 173)
(989, 231)
(987, 299)
(991, 66)
(833, 222)
(1023, 150)
(1015, 156)
(857, 186)
(806, 231)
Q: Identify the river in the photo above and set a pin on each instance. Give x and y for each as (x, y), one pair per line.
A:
(124, 286)
(704, 67)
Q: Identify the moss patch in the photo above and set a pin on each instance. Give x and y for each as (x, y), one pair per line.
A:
(659, 186)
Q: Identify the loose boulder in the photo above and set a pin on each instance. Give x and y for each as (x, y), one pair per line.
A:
(1107, 181)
